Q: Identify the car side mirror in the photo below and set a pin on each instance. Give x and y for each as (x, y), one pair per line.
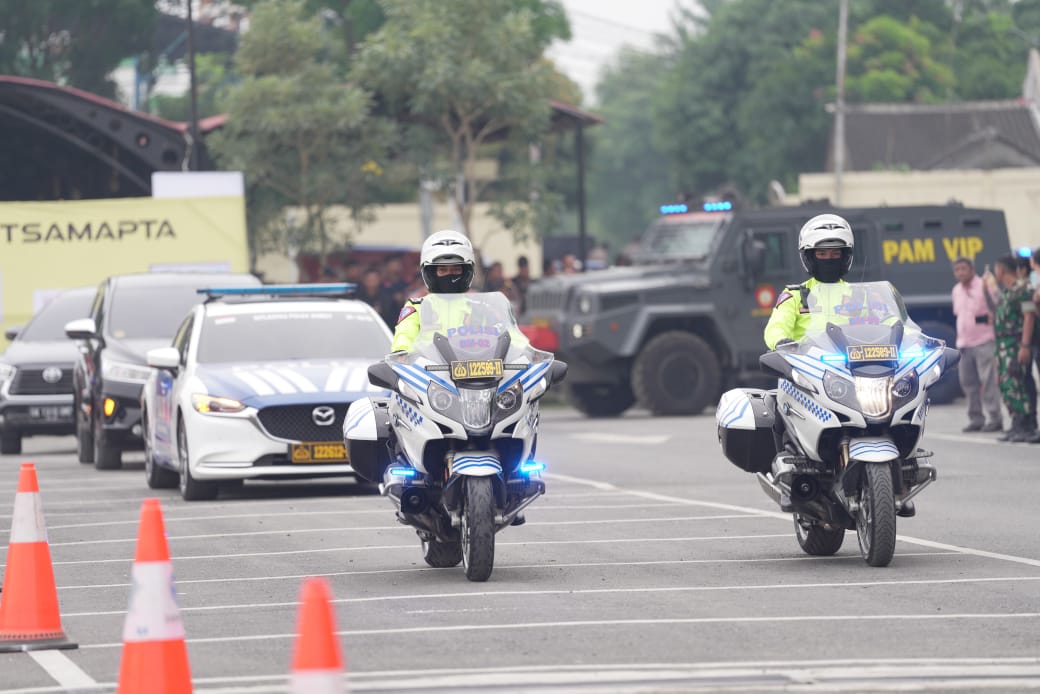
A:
(383, 375)
(755, 257)
(166, 358)
(12, 332)
(81, 329)
(558, 371)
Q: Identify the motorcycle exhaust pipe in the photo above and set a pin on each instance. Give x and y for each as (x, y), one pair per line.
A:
(804, 488)
(414, 501)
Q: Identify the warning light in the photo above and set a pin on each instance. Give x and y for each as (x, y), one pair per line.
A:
(110, 407)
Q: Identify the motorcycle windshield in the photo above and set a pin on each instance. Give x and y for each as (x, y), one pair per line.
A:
(863, 321)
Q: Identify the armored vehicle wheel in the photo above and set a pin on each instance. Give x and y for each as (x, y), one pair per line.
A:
(816, 540)
(948, 388)
(676, 373)
(442, 555)
(600, 400)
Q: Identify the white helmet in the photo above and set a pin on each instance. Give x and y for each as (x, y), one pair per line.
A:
(447, 248)
(826, 231)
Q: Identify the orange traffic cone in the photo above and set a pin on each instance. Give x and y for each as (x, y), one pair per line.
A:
(155, 657)
(317, 665)
(29, 617)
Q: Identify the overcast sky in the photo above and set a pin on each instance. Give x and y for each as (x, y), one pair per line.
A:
(601, 27)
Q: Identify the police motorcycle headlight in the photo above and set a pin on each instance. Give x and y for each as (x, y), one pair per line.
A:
(836, 387)
(906, 386)
(441, 399)
(476, 406)
(874, 395)
(509, 399)
(128, 373)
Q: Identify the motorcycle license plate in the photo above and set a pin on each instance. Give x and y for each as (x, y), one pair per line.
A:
(863, 353)
(478, 368)
(318, 452)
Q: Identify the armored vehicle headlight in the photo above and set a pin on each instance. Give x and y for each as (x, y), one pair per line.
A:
(584, 303)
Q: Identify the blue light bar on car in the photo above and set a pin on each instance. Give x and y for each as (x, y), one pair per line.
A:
(280, 290)
(724, 206)
(674, 209)
(1025, 252)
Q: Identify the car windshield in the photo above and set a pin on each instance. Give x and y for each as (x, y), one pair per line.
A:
(673, 239)
(279, 335)
(149, 312)
(49, 322)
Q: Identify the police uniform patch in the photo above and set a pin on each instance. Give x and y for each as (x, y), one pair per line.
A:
(784, 296)
(405, 312)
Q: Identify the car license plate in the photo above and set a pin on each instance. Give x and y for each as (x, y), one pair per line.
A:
(862, 353)
(323, 452)
(51, 414)
(477, 368)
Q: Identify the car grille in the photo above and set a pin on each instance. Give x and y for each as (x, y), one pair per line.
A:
(539, 299)
(30, 382)
(296, 423)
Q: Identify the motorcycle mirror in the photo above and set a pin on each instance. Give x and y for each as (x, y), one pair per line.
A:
(382, 374)
(558, 371)
(774, 364)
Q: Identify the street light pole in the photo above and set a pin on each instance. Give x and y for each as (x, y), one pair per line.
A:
(193, 164)
(839, 112)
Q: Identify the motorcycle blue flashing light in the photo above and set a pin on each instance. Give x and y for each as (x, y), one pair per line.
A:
(912, 354)
(407, 472)
(531, 466)
(674, 209)
(833, 358)
(279, 289)
(724, 206)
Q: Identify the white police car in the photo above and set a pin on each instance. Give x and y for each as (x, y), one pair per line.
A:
(256, 385)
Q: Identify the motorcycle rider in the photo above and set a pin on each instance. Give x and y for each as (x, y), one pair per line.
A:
(447, 263)
(825, 245)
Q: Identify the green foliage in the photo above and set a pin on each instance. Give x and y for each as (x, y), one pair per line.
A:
(303, 137)
(73, 42)
(471, 80)
(213, 80)
(890, 60)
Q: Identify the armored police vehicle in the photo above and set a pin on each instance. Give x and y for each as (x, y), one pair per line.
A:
(686, 320)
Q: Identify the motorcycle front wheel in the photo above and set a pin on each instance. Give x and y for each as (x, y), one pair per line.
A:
(876, 518)
(478, 529)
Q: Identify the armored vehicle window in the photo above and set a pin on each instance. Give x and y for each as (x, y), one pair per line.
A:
(776, 249)
(675, 238)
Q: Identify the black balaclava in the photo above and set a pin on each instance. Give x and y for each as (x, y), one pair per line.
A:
(829, 271)
(449, 284)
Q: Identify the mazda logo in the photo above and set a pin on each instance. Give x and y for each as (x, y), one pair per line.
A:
(323, 416)
(52, 374)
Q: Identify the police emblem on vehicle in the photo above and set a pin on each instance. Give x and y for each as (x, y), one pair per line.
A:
(323, 416)
(51, 374)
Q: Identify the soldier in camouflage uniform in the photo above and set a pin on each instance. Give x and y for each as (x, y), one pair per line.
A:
(1014, 328)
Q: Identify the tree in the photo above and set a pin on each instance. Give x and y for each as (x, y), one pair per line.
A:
(469, 82)
(73, 43)
(303, 136)
(893, 61)
(213, 79)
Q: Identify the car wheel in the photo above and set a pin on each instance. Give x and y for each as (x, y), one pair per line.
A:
(157, 476)
(676, 373)
(84, 437)
(600, 399)
(10, 443)
(106, 456)
(191, 488)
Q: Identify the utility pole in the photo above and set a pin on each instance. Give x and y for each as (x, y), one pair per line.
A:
(839, 110)
(193, 164)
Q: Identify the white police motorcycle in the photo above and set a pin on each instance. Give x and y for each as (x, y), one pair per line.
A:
(836, 443)
(453, 447)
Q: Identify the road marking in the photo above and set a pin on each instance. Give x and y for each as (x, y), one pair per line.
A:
(599, 624)
(65, 672)
(420, 597)
(965, 439)
(412, 547)
(512, 567)
(633, 439)
(787, 517)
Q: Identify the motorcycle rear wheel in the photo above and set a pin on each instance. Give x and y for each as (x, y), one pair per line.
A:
(876, 518)
(816, 540)
(478, 529)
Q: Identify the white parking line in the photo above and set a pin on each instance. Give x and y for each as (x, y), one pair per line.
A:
(510, 567)
(632, 439)
(787, 517)
(65, 672)
(421, 598)
(599, 624)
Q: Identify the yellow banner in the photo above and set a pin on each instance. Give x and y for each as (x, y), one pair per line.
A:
(46, 247)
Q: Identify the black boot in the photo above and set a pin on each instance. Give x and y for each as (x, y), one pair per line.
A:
(1014, 433)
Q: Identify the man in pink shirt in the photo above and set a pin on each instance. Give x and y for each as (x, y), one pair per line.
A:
(974, 306)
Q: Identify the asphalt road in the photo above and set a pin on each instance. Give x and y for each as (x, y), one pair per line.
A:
(652, 564)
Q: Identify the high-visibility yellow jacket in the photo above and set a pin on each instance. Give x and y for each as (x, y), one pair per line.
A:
(791, 317)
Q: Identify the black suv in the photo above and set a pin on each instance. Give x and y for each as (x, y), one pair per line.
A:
(130, 315)
(36, 372)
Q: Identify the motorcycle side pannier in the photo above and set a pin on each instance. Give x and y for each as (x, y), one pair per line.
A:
(745, 421)
(366, 433)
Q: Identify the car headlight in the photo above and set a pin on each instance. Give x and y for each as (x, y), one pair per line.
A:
(510, 398)
(120, 371)
(211, 404)
(7, 373)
